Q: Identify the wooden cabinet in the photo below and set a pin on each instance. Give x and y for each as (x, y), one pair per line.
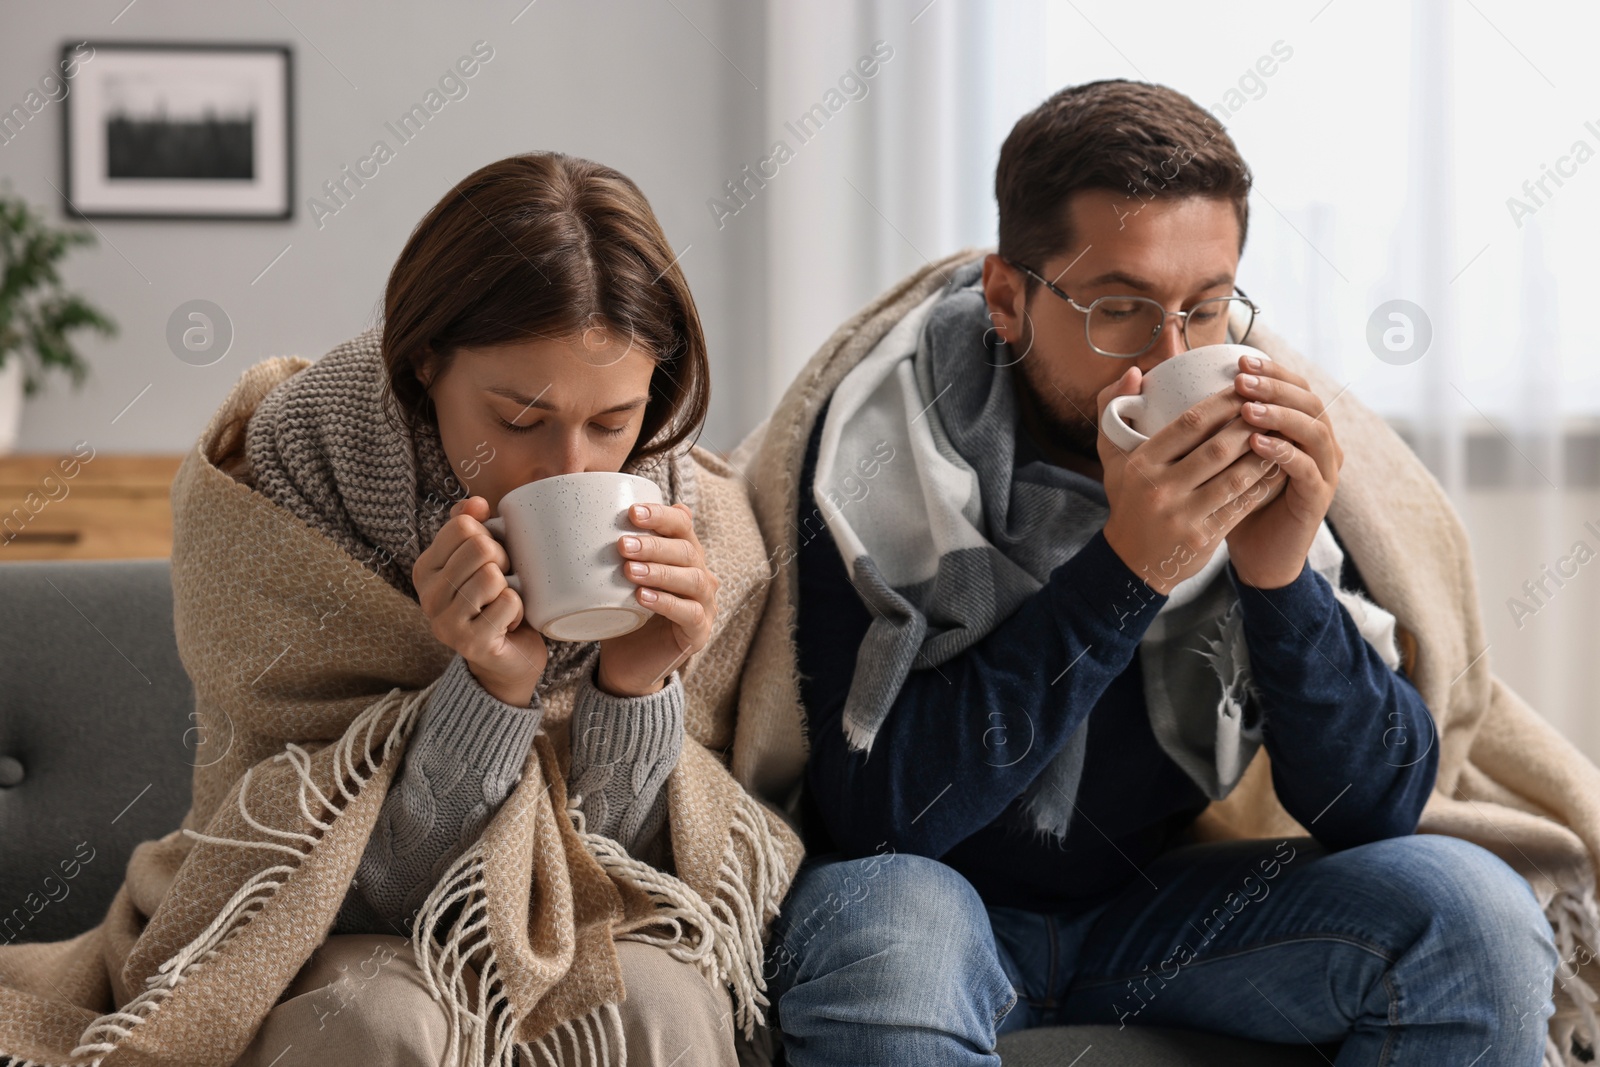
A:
(68, 506)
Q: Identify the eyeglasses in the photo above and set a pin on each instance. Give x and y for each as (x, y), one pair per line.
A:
(1128, 326)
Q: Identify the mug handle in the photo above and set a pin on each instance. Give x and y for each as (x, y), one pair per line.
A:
(1113, 421)
(497, 530)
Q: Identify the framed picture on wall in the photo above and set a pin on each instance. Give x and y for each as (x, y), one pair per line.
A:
(179, 131)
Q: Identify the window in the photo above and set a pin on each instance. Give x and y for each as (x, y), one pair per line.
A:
(1444, 154)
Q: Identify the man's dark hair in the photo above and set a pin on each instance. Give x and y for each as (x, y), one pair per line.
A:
(1131, 137)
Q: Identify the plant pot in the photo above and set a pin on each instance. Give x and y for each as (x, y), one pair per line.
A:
(10, 403)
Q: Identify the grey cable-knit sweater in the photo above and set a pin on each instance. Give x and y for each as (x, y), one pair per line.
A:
(467, 753)
(322, 445)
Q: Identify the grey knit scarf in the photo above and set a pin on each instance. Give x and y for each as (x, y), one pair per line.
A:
(952, 534)
(326, 445)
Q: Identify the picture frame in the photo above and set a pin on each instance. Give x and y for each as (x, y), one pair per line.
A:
(179, 130)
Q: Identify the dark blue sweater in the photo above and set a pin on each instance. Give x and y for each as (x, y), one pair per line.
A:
(963, 740)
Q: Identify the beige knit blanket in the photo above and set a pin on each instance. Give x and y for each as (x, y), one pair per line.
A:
(1507, 780)
(309, 671)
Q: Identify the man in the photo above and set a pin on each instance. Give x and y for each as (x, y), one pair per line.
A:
(1029, 660)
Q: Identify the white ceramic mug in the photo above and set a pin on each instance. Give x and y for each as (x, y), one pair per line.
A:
(1171, 389)
(561, 534)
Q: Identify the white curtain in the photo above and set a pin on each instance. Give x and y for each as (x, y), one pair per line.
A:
(1488, 413)
(902, 175)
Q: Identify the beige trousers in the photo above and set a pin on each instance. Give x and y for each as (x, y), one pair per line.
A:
(361, 999)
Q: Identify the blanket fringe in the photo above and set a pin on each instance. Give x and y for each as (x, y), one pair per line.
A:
(722, 936)
(474, 1019)
(1575, 920)
(444, 964)
(102, 1035)
(587, 1035)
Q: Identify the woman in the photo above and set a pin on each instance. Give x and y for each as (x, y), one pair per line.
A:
(535, 325)
(421, 833)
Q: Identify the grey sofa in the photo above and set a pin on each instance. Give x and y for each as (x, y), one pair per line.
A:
(96, 750)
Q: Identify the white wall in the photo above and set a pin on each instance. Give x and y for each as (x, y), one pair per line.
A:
(637, 87)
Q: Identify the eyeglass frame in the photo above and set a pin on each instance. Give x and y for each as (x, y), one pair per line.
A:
(1183, 316)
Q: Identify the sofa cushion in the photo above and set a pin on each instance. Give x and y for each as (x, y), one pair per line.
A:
(95, 744)
(1150, 1046)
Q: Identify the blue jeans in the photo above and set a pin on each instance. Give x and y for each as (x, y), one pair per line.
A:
(1412, 952)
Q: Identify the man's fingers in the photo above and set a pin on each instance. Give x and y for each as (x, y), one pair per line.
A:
(1189, 429)
(1241, 480)
(1296, 463)
(1269, 390)
(1213, 455)
(1270, 368)
(1310, 434)
(1126, 385)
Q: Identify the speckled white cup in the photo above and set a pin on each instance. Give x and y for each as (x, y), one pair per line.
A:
(561, 534)
(1171, 389)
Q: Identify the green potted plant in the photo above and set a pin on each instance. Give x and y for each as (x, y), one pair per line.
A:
(37, 313)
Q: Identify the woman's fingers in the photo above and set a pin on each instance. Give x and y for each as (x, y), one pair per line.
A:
(471, 555)
(696, 583)
(466, 516)
(466, 520)
(461, 585)
(676, 521)
(481, 611)
(651, 549)
(669, 566)
(475, 594)
(481, 632)
(691, 616)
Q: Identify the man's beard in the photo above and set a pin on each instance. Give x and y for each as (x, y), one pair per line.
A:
(1067, 420)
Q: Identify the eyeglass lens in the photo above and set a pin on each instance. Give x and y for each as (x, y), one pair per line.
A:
(1127, 325)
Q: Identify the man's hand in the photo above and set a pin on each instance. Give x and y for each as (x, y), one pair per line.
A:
(461, 585)
(1175, 497)
(1268, 547)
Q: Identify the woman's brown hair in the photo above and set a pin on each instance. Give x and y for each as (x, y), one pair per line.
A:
(545, 244)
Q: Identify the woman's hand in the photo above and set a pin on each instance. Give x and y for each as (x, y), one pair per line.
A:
(669, 566)
(461, 584)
